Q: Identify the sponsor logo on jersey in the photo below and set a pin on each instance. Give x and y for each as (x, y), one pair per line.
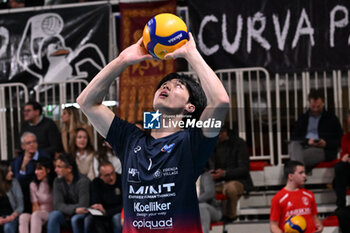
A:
(158, 174)
(153, 224)
(133, 175)
(150, 189)
(137, 149)
(168, 148)
(151, 207)
(305, 200)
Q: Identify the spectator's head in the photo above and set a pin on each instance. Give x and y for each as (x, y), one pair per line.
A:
(316, 102)
(65, 166)
(294, 171)
(180, 94)
(32, 111)
(81, 142)
(224, 134)
(5, 177)
(107, 172)
(29, 143)
(70, 118)
(44, 171)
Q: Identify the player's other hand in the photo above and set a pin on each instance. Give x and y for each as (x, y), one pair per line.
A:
(319, 228)
(185, 50)
(135, 53)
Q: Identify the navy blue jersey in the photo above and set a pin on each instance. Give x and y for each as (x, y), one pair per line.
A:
(159, 176)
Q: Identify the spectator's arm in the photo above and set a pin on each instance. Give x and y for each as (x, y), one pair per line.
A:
(336, 133)
(18, 195)
(83, 192)
(95, 197)
(242, 171)
(114, 210)
(300, 127)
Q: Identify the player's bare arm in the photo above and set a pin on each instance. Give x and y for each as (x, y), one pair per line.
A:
(274, 228)
(217, 98)
(90, 100)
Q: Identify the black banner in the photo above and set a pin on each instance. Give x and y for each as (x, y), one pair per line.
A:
(54, 45)
(280, 35)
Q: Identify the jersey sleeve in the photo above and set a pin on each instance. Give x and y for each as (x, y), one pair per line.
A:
(313, 205)
(275, 212)
(202, 147)
(119, 134)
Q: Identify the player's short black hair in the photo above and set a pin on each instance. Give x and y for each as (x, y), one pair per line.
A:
(197, 95)
(36, 106)
(316, 94)
(290, 166)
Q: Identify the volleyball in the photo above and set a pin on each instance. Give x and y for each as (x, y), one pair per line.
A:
(163, 34)
(295, 224)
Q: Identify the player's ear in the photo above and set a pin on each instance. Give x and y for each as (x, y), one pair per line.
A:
(190, 107)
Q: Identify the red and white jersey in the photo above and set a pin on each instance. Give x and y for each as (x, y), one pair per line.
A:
(287, 203)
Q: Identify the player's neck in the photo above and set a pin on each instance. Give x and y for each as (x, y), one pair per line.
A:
(290, 186)
(172, 124)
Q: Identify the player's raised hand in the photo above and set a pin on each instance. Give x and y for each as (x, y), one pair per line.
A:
(135, 53)
(184, 50)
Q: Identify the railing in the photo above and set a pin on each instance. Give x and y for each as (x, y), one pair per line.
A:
(263, 121)
(12, 97)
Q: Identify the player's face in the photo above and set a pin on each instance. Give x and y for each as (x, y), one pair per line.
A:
(299, 176)
(81, 140)
(171, 97)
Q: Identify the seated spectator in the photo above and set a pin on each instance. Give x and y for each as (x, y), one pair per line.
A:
(11, 199)
(317, 134)
(107, 154)
(24, 165)
(106, 197)
(229, 166)
(71, 121)
(41, 198)
(342, 170)
(84, 153)
(343, 215)
(208, 207)
(71, 194)
(45, 130)
(293, 199)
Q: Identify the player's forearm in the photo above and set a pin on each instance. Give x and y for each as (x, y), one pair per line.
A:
(98, 88)
(211, 84)
(275, 229)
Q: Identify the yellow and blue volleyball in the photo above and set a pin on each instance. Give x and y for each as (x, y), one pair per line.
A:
(163, 34)
(295, 224)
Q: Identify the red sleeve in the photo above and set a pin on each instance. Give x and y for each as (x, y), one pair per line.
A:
(275, 213)
(313, 205)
